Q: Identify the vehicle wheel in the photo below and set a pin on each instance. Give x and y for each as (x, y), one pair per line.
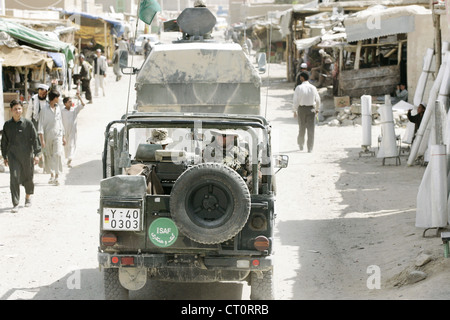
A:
(261, 287)
(210, 203)
(113, 289)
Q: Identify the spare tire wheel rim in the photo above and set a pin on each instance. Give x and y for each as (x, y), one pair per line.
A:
(209, 204)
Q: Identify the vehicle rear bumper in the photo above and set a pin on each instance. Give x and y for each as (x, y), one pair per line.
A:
(162, 261)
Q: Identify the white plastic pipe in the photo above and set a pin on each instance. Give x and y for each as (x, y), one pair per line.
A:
(2, 111)
(422, 83)
(366, 120)
(388, 146)
(418, 95)
(422, 135)
(443, 96)
(439, 185)
(432, 209)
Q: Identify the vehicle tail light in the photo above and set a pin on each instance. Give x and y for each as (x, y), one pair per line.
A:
(108, 239)
(127, 261)
(261, 243)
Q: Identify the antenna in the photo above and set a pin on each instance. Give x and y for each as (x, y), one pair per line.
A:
(124, 160)
(268, 67)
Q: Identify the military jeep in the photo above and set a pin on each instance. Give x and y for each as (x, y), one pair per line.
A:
(173, 214)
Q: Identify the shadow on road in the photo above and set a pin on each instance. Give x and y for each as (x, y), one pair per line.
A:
(87, 284)
(373, 223)
(88, 173)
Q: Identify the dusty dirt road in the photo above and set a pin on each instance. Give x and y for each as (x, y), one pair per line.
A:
(339, 218)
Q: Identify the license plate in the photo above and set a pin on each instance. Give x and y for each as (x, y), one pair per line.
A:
(122, 219)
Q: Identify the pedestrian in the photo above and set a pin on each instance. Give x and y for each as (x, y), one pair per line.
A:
(303, 68)
(20, 150)
(37, 102)
(85, 74)
(324, 71)
(306, 105)
(116, 62)
(100, 67)
(401, 93)
(51, 134)
(416, 119)
(147, 47)
(69, 117)
(123, 45)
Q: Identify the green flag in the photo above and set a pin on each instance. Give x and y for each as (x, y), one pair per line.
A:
(148, 9)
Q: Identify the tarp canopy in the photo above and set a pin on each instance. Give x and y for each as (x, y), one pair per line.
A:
(22, 56)
(35, 39)
(379, 21)
(87, 20)
(306, 43)
(96, 30)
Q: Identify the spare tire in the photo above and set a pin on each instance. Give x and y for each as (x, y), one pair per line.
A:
(210, 203)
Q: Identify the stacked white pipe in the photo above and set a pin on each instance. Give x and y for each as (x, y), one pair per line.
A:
(388, 146)
(419, 93)
(366, 120)
(420, 143)
(433, 202)
(432, 198)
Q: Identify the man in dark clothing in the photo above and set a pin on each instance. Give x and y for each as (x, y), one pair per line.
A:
(147, 47)
(85, 74)
(20, 150)
(417, 119)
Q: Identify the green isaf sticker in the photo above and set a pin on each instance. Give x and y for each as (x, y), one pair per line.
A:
(163, 232)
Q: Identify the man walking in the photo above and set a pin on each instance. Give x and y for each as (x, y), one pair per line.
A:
(51, 134)
(37, 102)
(306, 104)
(147, 48)
(69, 118)
(20, 150)
(85, 74)
(100, 67)
(116, 62)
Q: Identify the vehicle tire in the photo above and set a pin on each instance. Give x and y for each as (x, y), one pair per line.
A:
(113, 289)
(210, 203)
(262, 288)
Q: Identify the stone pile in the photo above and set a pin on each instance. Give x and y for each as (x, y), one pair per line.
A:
(350, 116)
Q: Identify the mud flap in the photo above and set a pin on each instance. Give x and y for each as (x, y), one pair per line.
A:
(132, 278)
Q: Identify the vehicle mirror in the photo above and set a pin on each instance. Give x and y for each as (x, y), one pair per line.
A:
(262, 62)
(281, 161)
(123, 59)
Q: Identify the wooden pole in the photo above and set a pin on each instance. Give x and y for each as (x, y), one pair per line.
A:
(358, 54)
(437, 35)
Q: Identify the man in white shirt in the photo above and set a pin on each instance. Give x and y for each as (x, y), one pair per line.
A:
(51, 135)
(100, 66)
(306, 104)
